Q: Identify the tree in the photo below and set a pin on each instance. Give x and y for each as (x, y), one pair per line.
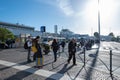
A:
(5, 34)
(96, 34)
(111, 34)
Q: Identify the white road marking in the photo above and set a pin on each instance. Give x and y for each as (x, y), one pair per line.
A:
(41, 72)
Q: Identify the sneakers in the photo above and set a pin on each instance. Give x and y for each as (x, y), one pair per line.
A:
(39, 67)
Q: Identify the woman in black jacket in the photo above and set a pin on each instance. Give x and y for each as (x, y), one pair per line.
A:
(55, 47)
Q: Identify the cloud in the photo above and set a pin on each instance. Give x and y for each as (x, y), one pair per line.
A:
(66, 7)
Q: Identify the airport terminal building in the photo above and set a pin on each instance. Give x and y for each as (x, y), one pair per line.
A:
(20, 30)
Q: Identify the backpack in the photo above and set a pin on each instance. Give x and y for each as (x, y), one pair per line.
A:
(25, 45)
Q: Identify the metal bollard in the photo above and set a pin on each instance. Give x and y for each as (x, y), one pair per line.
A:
(84, 55)
(110, 62)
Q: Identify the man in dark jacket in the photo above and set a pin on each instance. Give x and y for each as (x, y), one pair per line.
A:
(72, 51)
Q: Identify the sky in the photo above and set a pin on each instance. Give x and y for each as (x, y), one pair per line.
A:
(79, 16)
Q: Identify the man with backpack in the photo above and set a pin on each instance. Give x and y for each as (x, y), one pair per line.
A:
(29, 44)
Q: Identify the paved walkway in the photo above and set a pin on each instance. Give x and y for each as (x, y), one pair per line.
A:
(13, 59)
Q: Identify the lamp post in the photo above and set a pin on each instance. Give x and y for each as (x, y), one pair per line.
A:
(99, 19)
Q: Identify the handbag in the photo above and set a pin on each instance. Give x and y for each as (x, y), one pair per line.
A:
(34, 49)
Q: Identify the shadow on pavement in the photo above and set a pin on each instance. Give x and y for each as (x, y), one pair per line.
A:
(56, 66)
(21, 74)
(22, 63)
(90, 70)
(79, 72)
(1, 69)
(62, 71)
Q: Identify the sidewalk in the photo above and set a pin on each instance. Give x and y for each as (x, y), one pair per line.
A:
(80, 71)
(58, 70)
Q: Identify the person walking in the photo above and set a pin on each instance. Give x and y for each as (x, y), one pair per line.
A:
(29, 44)
(72, 51)
(63, 45)
(38, 54)
(55, 47)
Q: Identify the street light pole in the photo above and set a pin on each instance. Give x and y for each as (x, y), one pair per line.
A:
(99, 19)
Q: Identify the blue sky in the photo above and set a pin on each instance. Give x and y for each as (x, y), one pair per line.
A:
(80, 16)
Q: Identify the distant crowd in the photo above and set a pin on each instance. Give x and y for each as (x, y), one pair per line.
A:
(33, 45)
(10, 43)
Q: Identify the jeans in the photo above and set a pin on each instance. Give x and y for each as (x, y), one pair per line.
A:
(29, 52)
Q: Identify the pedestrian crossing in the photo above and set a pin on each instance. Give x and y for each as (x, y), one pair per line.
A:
(110, 46)
(41, 72)
(114, 49)
(107, 47)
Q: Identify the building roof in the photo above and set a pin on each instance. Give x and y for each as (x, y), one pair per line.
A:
(16, 25)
